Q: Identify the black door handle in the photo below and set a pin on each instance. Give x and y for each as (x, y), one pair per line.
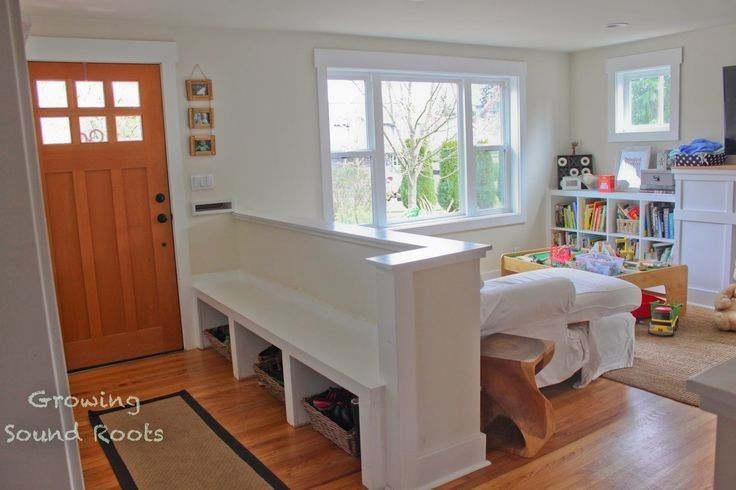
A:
(162, 218)
(160, 197)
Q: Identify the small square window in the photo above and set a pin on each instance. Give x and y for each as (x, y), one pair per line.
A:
(51, 94)
(55, 131)
(644, 96)
(90, 94)
(93, 129)
(126, 94)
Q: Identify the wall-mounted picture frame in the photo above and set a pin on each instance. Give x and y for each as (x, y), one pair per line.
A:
(199, 89)
(200, 146)
(631, 161)
(201, 117)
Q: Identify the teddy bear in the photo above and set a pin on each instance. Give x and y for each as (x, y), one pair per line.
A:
(725, 314)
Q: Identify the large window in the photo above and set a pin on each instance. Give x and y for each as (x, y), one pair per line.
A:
(644, 95)
(419, 146)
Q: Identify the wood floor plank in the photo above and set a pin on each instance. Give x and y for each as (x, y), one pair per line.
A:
(608, 435)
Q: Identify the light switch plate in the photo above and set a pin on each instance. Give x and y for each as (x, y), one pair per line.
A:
(202, 182)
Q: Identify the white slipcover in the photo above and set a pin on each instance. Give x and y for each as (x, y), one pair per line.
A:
(541, 304)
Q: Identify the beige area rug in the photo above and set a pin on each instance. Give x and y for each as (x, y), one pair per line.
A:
(175, 443)
(663, 364)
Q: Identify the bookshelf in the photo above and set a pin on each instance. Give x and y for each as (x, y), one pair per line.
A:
(570, 221)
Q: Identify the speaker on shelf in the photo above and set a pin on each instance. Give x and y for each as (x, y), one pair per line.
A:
(574, 166)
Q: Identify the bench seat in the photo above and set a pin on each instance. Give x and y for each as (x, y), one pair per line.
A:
(321, 347)
(290, 320)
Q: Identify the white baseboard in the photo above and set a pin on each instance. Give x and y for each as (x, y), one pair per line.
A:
(701, 297)
(450, 463)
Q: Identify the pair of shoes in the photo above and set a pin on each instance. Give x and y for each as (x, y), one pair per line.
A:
(335, 404)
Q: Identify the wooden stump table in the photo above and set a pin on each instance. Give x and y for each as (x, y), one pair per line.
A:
(515, 415)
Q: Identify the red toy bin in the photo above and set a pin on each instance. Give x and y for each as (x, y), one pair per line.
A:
(644, 311)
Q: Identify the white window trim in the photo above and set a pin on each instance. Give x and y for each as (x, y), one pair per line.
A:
(428, 65)
(657, 59)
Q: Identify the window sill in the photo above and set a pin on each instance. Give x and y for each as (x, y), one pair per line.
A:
(639, 136)
(457, 225)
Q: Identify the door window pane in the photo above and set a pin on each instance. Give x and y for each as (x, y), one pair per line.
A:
(93, 129)
(490, 179)
(487, 105)
(90, 94)
(51, 94)
(346, 99)
(129, 128)
(351, 190)
(126, 94)
(420, 138)
(55, 130)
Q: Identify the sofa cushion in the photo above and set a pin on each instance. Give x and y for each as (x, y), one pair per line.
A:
(597, 296)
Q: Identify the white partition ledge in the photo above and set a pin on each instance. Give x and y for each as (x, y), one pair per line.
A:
(410, 251)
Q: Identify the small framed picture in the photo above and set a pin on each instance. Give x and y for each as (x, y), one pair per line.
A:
(199, 89)
(631, 161)
(201, 117)
(202, 145)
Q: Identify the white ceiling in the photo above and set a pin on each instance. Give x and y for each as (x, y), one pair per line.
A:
(565, 25)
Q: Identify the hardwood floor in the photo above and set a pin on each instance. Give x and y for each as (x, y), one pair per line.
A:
(608, 435)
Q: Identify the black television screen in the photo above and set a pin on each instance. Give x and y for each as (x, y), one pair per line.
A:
(729, 104)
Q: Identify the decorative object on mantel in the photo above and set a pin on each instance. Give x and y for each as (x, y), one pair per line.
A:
(699, 153)
(631, 161)
(200, 117)
(606, 183)
(573, 165)
(590, 181)
(725, 303)
(570, 183)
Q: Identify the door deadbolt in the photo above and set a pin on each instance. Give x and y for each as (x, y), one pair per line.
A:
(160, 197)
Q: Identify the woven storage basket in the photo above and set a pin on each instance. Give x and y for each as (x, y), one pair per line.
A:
(220, 347)
(271, 384)
(628, 226)
(347, 440)
(701, 160)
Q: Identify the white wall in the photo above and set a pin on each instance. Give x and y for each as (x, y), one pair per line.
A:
(267, 123)
(705, 53)
(30, 348)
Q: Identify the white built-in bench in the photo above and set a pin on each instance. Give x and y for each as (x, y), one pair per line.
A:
(321, 347)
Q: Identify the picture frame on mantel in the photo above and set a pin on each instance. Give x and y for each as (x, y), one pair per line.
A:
(631, 161)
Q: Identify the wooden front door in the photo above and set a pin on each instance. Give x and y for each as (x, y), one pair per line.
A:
(100, 134)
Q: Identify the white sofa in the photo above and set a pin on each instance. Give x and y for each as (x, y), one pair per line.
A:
(587, 316)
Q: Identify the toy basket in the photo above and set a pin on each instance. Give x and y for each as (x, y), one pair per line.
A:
(700, 160)
(347, 440)
(272, 385)
(627, 226)
(222, 348)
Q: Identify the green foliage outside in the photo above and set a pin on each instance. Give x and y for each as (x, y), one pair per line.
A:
(489, 175)
(448, 190)
(426, 194)
(645, 100)
(351, 191)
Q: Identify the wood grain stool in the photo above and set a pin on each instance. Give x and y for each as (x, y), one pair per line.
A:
(515, 416)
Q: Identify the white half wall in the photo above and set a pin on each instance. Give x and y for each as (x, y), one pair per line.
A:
(265, 99)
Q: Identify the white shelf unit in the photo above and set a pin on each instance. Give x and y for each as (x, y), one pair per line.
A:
(579, 236)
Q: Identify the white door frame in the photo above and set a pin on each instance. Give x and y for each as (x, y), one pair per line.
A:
(163, 53)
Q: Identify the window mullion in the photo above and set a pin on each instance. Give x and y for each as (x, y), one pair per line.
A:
(379, 165)
(466, 120)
